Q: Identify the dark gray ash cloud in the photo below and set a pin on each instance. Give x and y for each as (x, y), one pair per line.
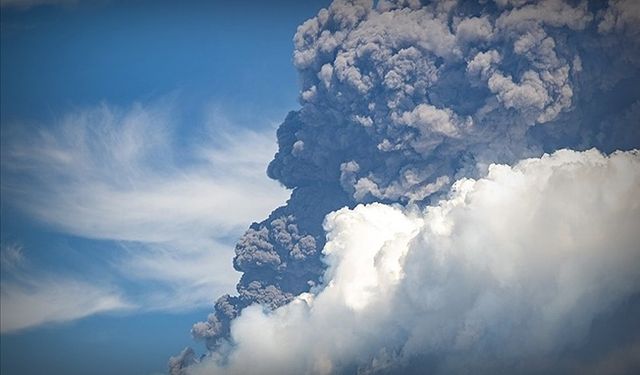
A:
(400, 100)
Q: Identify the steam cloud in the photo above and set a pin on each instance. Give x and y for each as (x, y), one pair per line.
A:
(483, 280)
(401, 99)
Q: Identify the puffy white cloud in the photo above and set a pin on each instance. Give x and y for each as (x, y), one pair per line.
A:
(401, 97)
(504, 275)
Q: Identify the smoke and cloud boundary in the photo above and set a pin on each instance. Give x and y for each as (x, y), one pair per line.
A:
(402, 98)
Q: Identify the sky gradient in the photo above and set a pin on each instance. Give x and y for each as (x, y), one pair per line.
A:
(354, 187)
(210, 70)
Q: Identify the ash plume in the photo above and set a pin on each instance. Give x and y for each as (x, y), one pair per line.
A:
(402, 98)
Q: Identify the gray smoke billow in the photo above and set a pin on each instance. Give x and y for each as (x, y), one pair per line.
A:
(509, 274)
(402, 98)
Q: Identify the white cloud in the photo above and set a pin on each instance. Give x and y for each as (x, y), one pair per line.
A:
(53, 300)
(173, 197)
(11, 255)
(112, 174)
(179, 278)
(506, 273)
(29, 298)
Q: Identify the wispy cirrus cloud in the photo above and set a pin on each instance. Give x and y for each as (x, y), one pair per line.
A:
(112, 174)
(171, 196)
(30, 298)
(11, 255)
(54, 300)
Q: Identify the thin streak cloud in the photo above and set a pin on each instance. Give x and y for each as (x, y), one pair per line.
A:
(172, 210)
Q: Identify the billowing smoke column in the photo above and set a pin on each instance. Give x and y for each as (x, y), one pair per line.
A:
(506, 275)
(402, 99)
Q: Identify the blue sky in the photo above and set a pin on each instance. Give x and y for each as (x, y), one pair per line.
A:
(457, 198)
(128, 130)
